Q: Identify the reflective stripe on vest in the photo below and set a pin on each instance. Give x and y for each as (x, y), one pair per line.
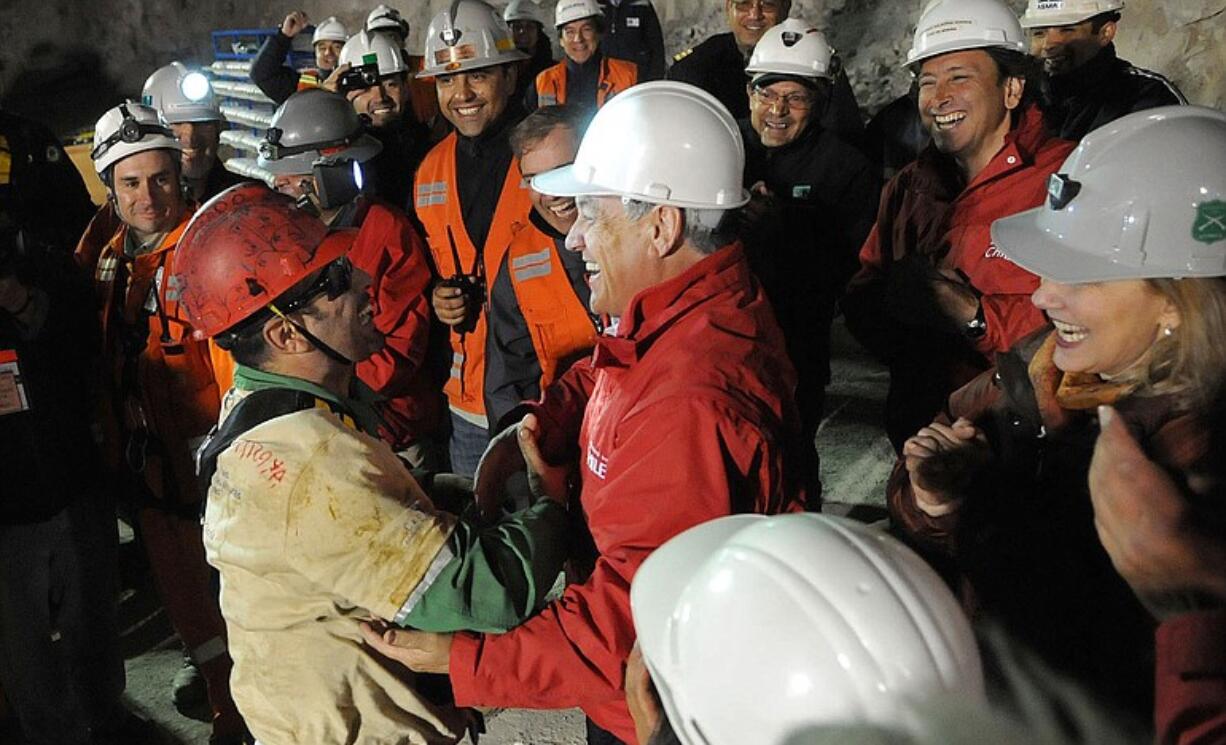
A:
(616, 75)
(438, 208)
(431, 194)
(560, 327)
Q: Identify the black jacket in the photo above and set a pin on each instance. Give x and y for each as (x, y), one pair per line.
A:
(49, 457)
(269, 72)
(825, 202)
(405, 143)
(1102, 90)
(717, 66)
(634, 34)
(41, 192)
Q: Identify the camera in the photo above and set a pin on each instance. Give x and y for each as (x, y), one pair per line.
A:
(358, 78)
(472, 289)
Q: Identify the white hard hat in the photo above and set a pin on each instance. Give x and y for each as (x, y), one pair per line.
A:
(387, 18)
(574, 10)
(1066, 12)
(365, 47)
(754, 628)
(793, 47)
(181, 95)
(128, 129)
(468, 35)
(957, 25)
(330, 29)
(662, 142)
(1141, 197)
(522, 10)
(311, 126)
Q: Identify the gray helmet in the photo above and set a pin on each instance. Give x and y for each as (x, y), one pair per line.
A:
(314, 126)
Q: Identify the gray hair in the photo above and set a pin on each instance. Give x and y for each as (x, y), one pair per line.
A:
(703, 227)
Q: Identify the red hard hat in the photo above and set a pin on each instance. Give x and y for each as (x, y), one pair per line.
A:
(245, 247)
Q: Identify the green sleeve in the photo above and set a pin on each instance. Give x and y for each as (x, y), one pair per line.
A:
(500, 574)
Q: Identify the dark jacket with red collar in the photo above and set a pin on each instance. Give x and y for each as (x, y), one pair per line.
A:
(928, 219)
(1022, 540)
(683, 416)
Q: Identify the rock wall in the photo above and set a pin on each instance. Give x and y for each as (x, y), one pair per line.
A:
(65, 62)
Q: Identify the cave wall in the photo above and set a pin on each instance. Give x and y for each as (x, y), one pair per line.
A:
(66, 61)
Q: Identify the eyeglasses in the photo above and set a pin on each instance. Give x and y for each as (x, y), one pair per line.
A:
(334, 281)
(574, 33)
(766, 6)
(798, 101)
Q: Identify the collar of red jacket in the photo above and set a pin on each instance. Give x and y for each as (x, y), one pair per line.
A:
(654, 310)
(1022, 143)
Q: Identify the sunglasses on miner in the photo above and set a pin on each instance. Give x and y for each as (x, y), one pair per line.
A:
(334, 280)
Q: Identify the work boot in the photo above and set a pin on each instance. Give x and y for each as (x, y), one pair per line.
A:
(189, 691)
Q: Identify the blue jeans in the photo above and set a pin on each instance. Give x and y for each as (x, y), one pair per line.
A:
(467, 445)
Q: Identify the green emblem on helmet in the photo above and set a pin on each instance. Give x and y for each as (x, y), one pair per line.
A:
(1210, 224)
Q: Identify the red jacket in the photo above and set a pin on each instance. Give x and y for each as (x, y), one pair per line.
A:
(1191, 679)
(685, 415)
(917, 218)
(392, 252)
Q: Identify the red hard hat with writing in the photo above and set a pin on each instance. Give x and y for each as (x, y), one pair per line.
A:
(244, 248)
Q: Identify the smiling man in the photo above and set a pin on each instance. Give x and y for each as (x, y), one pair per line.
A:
(469, 199)
(681, 415)
(278, 80)
(815, 197)
(158, 388)
(184, 99)
(539, 323)
(718, 65)
(374, 76)
(934, 297)
(586, 77)
(1089, 84)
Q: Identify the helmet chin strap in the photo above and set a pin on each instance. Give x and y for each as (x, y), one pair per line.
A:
(312, 338)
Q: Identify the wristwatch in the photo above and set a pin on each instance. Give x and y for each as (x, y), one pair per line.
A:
(977, 327)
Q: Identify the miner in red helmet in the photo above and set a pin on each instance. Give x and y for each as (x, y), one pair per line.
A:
(311, 520)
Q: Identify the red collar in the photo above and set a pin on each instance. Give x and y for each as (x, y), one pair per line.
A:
(654, 310)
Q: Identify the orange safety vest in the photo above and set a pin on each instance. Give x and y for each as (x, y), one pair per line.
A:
(438, 208)
(616, 75)
(559, 325)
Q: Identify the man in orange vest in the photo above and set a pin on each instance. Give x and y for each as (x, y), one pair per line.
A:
(159, 394)
(469, 199)
(539, 322)
(586, 77)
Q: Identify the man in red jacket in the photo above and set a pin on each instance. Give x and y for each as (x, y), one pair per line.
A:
(684, 412)
(934, 298)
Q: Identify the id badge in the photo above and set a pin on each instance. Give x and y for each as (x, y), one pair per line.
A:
(12, 388)
(632, 22)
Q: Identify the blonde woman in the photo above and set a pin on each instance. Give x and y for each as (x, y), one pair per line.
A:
(1131, 248)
